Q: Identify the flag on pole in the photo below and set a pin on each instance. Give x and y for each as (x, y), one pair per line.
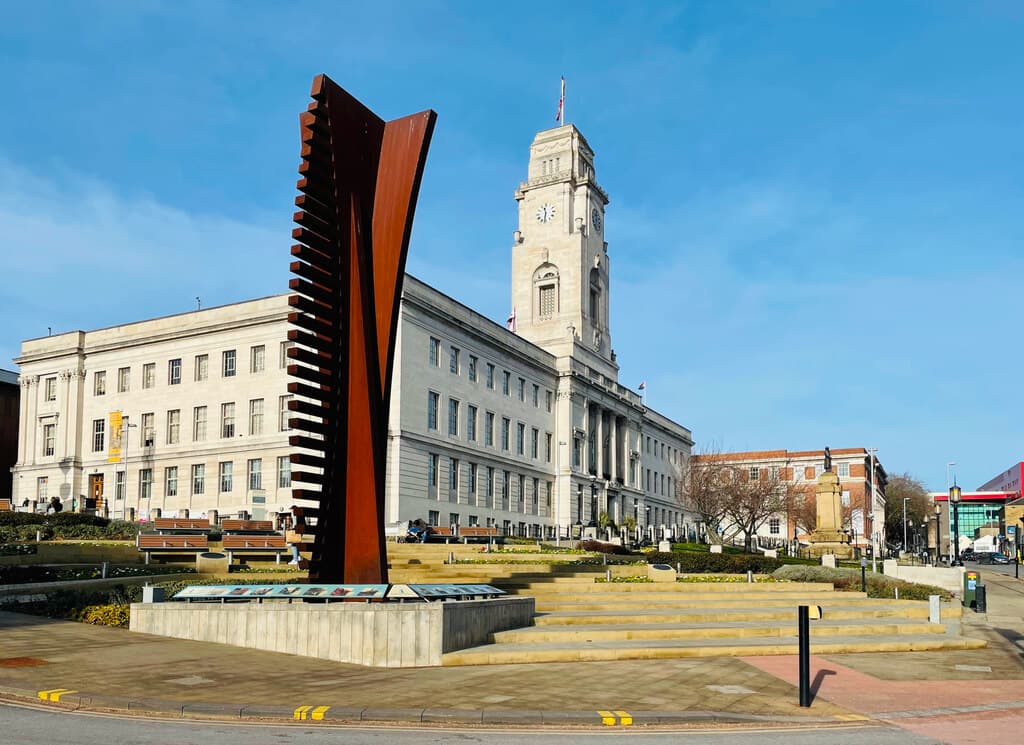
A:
(560, 116)
(642, 385)
(511, 321)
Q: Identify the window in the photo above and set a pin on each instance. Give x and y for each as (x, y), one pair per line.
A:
(489, 429)
(282, 413)
(755, 473)
(471, 423)
(844, 498)
(547, 447)
(174, 371)
(773, 472)
(171, 481)
(473, 470)
(99, 383)
(548, 486)
(453, 478)
(99, 428)
(50, 389)
(506, 488)
(227, 420)
(226, 476)
(173, 426)
(843, 470)
(227, 365)
(124, 379)
(453, 416)
(577, 451)
(202, 371)
(49, 439)
(520, 505)
(520, 437)
(284, 472)
(257, 358)
(490, 376)
(505, 427)
(472, 369)
(536, 396)
(282, 362)
(474, 521)
(506, 381)
(547, 301)
(145, 483)
(535, 505)
(149, 375)
(453, 519)
(534, 442)
(522, 389)
(453, 361)
(199, 424)
(148, 429)
(255, 474)
(433, 518)
(547, 400)
(435, 352)
(119, 479)
(256, 416)
(432, 464)
(198, 478)
(432, 404)
(490, 487)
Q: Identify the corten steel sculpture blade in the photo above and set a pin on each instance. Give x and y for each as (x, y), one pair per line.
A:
(360, 177)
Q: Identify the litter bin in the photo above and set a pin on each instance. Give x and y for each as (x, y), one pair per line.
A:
(980, 600)
(972, 580)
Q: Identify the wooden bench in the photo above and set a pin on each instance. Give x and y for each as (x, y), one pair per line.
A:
(436, 531)
(167, 544)
(247, 526)
(255, 544)
(487, 534)
(173, 525)
(5, 504)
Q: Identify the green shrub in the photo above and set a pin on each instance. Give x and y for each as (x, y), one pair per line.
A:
(102, 615)
(604, 548)
(696, 562)
(18, 549)
(848, 580)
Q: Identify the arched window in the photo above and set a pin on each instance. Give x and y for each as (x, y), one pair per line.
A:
(595, 297)
(545, 292)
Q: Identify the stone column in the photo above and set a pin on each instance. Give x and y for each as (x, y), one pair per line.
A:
(599, 442)
(613, 420)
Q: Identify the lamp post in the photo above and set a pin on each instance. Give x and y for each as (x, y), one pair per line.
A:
(954, 500)
(938, 531)
(949, 517)
(871, 511)
(905, 500)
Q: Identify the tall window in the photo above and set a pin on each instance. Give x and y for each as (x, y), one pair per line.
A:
(257, 358)
(471, 423)
(256, 416)
(435, 352)
(226, 476)
(453, 416)
(174, 371)
(489, 491)
(284, 472)
(843, 470)
(199, 424)
(227, 367)
(283, 354)
(453, 361)
(149, 375)
(490, 376)
(506, 488)
(49, 439)
(202, 371)
(547, 447)
(577, 451)
(453, 478)
(547, 400)
(119, 480)
(520, 437)
(99, 383)
(755, 473)
(432, 405)
(171, 481)
(773, 526)
(534, 507)
(534, 442)
(522, 389)
(282, 413)
(173, 426)
(227, 420)
(255, 474)
(547, 496)
(145, 483)
(50, 389)
(489, 429)
(506, 380)
(99, 429)
(473, 470)
(198, 478)
(432, 465)
(505, 426)
(148, 429)
(547, 301)
(536, 395)
(472, 369)
(124, 379)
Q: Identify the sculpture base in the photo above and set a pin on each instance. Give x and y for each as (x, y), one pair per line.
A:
(830, 543)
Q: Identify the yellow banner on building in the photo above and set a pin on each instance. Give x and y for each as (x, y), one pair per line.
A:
(114, 452)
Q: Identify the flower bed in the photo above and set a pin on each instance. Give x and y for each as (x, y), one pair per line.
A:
(18, 575)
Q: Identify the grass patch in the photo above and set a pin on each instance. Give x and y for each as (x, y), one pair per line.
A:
(848, 580)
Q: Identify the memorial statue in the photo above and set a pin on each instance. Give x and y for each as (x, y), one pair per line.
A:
(828, 459)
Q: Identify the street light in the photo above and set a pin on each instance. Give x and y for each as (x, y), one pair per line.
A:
(949, 517)
(905, 500)
(871, 512)
(938, 531)
(954, 499)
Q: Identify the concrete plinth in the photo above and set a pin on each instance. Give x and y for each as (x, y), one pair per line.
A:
(376, 634)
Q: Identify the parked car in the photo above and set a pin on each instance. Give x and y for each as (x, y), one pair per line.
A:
(968, 555)
(993, 557)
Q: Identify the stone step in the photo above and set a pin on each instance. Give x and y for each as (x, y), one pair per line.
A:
(585, 583)
(599, 603)
(726, 615)
(496, 654)
(744, 630)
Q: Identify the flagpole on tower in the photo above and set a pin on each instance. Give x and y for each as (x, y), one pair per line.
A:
(560, 116)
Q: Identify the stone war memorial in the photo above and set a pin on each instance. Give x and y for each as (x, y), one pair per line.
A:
(828, 536)
(359, 181)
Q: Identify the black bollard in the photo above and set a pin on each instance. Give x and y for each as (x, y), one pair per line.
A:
(804, 631)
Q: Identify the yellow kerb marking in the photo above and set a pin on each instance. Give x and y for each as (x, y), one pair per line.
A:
(608, 718)
(301, 712)
(318, 712)
(54, 694)
(625, 718)
(851, 717)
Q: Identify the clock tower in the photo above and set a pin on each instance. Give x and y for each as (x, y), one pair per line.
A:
(560, 265)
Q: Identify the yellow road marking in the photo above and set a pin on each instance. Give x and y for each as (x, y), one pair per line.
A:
(851, 717)
(608, 718)
(318, 712)
(300, 713)
(54, 694)
(625, 718)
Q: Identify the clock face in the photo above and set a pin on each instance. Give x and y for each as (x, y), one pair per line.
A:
(595, 219)
(545, 212)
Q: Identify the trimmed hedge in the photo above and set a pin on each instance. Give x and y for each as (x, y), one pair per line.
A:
(691, 562)
(605, 548)
(848, 580)
(65, 526)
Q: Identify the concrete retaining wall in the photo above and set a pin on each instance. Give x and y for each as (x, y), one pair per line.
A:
(948, 578)
(376, 634)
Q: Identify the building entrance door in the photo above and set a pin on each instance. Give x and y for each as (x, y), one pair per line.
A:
(95, 492)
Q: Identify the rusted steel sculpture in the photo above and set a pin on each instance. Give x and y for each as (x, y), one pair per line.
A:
(359, 180)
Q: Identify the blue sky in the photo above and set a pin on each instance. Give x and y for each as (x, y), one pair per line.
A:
(816, 214)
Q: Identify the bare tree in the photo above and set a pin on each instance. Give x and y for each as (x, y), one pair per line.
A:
(750, 502)
(704, 490)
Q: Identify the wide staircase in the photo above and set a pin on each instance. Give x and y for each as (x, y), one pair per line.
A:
(579, 618)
